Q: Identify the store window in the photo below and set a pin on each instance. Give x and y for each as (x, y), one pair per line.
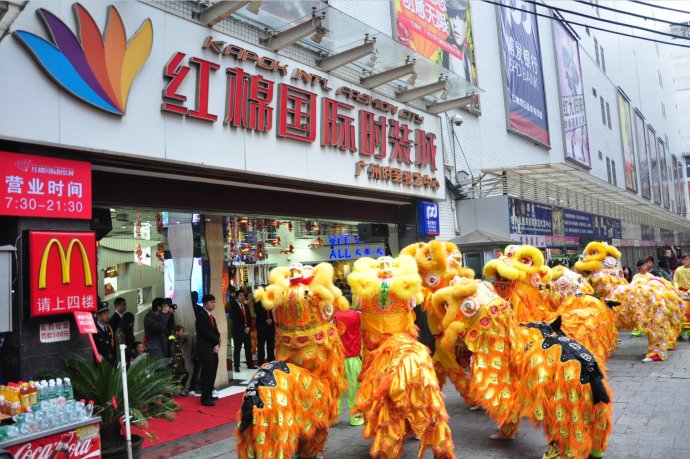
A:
(137, 258)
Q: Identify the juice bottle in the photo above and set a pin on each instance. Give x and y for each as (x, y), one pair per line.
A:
(33, 393)
(24, 398)
(13, 400)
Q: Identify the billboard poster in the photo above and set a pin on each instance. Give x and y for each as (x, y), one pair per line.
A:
(577, 223)
(625, 118)
(642, 156)
(664, 172)
(654, 164)
(522, 69)
(572, 95)
(440, 31)
(527, 217)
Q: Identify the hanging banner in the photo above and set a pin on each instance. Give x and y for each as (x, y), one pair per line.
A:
(62, 269)
(523, 75)
(527, 217)
(674, 176)
(39, 186)
(642, 156)
(625, 118)
(664, 173)
(571, 90)
(654, 164)
(440, 31)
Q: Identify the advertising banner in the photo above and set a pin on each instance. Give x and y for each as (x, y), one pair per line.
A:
(38, 186)
(642, 156)
(654, 164)
(522, 67)
(664, 172)
(427, 213)
(62, 269)
(440, 31)
(571, 89)
(527, 217)
(577, 223)
(625, 118)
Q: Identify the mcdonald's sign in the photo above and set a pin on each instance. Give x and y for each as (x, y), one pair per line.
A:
(62, 268)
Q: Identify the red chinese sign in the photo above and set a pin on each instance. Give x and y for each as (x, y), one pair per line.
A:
(38, 186)
(85, 322)
(81, 443)
(62, 267)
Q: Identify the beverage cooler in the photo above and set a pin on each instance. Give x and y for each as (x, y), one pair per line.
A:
(76, 440)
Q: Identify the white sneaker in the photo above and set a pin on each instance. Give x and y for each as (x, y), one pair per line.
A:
(215, 393)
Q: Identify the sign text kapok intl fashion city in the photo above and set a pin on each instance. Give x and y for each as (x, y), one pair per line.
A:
(251, 104)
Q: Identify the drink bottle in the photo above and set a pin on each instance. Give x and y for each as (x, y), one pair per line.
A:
(67, 387)
(33, 393)
(24, 398)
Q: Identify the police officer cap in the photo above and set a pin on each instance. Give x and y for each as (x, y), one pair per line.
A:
(456, 7)
(103, 307)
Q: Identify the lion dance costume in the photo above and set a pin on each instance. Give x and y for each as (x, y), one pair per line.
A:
(654, 306)
(438, 263)
(399, 394)
(521, 274)
(530, 370)
(290, 404)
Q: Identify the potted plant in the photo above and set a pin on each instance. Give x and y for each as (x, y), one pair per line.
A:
(150, 384)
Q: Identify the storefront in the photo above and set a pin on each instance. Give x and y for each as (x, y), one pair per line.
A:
(211, 160)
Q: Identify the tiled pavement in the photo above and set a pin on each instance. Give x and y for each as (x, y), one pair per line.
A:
(651, 413)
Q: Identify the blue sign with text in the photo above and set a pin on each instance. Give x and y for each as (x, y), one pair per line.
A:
(429, 224)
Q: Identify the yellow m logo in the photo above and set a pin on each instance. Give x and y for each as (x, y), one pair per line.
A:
(65, 262)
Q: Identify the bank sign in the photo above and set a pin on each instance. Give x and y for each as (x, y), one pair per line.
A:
(62, 270)
(429, 220)
(136, 80)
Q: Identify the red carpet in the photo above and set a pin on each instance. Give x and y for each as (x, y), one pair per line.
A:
(192, 418)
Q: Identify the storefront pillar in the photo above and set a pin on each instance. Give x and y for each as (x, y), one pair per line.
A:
(216, 259)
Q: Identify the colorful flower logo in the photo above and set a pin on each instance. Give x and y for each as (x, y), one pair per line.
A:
(96, 68)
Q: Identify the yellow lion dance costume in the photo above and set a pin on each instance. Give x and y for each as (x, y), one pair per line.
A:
(438, 264)
(399, 394)
(520, 275)
(654, 306)
(290, 404)
(529, 370)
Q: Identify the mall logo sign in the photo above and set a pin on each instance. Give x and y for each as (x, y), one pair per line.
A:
(97, 68)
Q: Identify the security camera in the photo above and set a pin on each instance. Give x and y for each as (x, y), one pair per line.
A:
(457, 120)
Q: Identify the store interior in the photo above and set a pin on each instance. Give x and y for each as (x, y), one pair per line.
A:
(136, 259)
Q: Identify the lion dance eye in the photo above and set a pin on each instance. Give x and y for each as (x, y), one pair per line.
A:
(432, 280)
(526, 261)
(509, 253)
(469, 307)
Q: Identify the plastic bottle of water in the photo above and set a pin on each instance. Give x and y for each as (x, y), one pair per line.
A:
(51, 389)
(59, 393)
(89, 409)
(42, 390)
(67, 388)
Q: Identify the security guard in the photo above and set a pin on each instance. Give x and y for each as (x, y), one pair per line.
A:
(105, 337)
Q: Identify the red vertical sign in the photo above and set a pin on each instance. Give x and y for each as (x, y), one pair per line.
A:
(62, 267)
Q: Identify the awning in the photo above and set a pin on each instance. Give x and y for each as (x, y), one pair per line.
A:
(480, 239)
(567, 186)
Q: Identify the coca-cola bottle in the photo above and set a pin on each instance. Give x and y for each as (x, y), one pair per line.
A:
(62, 450)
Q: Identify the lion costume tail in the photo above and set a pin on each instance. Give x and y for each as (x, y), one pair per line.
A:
(400, 397)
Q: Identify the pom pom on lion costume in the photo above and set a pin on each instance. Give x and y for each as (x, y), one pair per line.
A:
(530, 370)
(290, 404)
(399, 394)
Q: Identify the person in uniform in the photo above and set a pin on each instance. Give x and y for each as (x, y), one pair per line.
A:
(104, 336)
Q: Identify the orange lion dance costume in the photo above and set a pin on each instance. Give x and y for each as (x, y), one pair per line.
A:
(654, 306)
(291, 403)
(521, 274)
(530, 370)
(438, 263)
(399, 394)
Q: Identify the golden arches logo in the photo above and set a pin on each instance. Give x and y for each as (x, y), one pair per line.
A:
(65, 262)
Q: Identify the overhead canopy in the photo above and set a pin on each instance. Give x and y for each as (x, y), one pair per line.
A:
(565, 185)
(480, 239)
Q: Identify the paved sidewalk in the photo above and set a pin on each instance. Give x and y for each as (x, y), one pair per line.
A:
(651, 414)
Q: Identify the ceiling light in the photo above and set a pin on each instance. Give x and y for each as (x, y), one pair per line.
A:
(373, 59)
(220, 10)
(319, 34)
(413, 79)
(444, 94)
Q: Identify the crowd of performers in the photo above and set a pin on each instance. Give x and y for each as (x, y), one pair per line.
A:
(533, 344)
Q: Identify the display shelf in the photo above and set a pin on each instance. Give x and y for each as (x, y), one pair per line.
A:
(48, 432)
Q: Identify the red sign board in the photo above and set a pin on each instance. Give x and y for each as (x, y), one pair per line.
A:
(81, 443)
(85, 322)
(62, 267)
(38, 186)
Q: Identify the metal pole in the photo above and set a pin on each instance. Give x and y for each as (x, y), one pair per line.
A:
(125, 394)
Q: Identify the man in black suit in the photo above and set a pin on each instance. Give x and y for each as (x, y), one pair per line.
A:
(207, 348)
(265, 332)
(120, 309)
(241, 331)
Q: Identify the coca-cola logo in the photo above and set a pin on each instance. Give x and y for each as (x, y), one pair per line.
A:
(46, 448)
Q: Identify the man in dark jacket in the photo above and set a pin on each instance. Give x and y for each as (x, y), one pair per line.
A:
(120, 309)
(155, 329)
(241, 331)
(105, 337)
(265, 332)
(207, 348)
